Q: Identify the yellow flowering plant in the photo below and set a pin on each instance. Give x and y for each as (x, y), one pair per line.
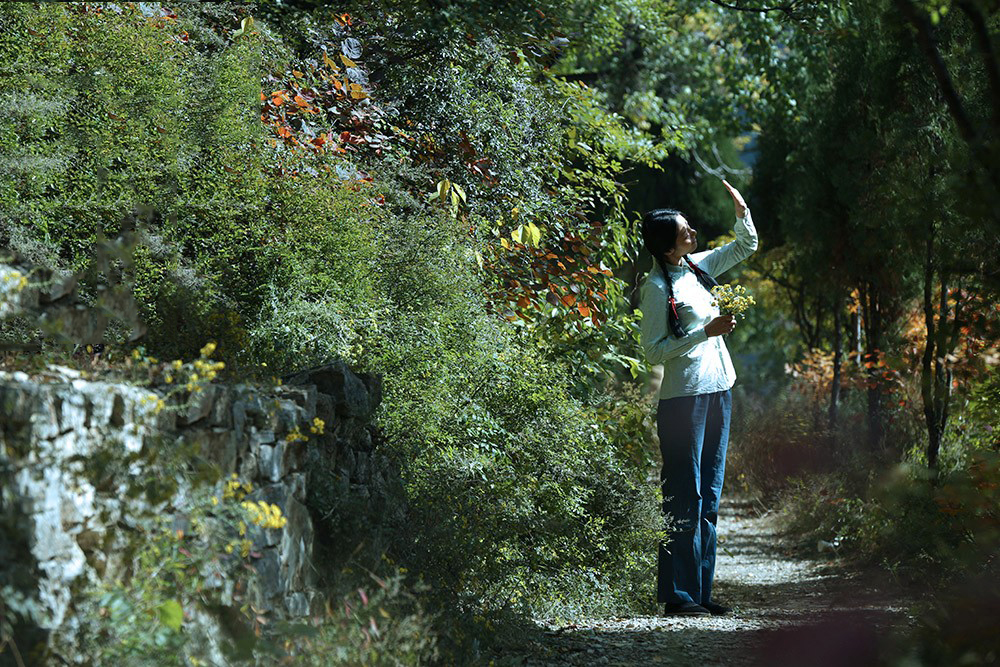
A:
(183, 377)
(732, 300)
(244, 514)
(179, 563)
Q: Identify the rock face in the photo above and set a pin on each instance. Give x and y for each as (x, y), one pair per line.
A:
(58, 521)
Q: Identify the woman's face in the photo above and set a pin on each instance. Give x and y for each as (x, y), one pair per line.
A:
(687, 240)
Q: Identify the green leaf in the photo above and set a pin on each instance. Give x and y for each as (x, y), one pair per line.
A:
(245, 25)
(534, 234)
(443, 187)
(516, 234)
(171, 614)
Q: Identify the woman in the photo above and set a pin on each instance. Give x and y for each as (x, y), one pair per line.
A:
(682, 329)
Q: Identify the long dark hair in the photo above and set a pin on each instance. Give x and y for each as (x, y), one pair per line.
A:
(659, 235)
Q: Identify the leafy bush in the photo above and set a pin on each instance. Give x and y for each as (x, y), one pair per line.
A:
(284, 205)
(380, 624)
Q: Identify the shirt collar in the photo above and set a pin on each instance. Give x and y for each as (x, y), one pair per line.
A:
(673, 270)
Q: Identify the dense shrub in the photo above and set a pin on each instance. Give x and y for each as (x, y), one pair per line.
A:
(292, 232)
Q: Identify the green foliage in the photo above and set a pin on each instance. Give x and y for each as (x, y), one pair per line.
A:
(288, 256)
(181, 562)
(380, 624)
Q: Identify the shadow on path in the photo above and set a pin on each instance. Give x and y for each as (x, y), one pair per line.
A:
(788, 610)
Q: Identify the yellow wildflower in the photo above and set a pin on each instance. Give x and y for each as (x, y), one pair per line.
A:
(295, 435)
(732, 301)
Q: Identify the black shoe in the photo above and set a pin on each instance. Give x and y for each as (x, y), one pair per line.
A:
(685, 609)
(716, 609)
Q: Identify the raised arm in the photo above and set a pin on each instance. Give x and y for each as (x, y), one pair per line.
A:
(717, 261)
(658, 342)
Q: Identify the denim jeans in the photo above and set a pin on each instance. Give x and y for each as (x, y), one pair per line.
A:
(694, 434)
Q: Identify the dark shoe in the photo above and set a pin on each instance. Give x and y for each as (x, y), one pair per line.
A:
(716, 609)
(685, 609)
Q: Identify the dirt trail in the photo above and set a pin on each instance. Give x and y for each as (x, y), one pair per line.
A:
(788, 610)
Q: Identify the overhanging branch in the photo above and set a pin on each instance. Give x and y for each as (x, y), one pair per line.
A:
(787, 9)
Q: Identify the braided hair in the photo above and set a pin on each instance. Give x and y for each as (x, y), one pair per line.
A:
(659, 235)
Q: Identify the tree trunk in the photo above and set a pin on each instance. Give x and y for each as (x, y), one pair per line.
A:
(927, 377)
(942, 337)
(873, 336)
(837, 343)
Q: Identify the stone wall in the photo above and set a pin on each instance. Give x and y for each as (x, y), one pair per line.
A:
(61, 527)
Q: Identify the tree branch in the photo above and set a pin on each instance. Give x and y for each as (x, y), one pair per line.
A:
(927, 45)
(985, 44)
(788, 9)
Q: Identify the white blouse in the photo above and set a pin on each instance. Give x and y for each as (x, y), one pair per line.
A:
(697, 363)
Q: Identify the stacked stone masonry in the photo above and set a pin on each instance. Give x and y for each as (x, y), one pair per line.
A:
(50, 422)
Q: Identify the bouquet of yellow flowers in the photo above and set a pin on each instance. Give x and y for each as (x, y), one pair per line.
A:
(732, 300)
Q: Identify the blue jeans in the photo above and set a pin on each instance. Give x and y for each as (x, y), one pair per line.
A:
(694, 434)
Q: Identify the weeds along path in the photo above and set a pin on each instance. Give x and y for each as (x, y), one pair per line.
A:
(788, 610)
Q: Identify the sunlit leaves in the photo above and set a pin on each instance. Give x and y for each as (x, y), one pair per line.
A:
(171, 614)
(245, 26)
(564, 285)
(318, 108)
(450, 194)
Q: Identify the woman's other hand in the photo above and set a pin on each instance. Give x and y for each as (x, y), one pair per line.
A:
(741, 206)
(721, 325)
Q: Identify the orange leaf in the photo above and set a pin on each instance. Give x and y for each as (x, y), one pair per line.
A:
(584, 311)
(329, 63)
(301, 101)
(297, 74)
(569, 300)
(524, 302)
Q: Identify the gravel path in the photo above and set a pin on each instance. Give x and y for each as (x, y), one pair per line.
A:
(788, 610)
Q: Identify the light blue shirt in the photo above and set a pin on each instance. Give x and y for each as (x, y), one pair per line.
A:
(697, 363)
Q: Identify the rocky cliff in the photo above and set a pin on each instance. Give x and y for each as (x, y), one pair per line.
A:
(74, 448)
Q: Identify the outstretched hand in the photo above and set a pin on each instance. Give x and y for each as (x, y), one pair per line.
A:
(741, 206)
